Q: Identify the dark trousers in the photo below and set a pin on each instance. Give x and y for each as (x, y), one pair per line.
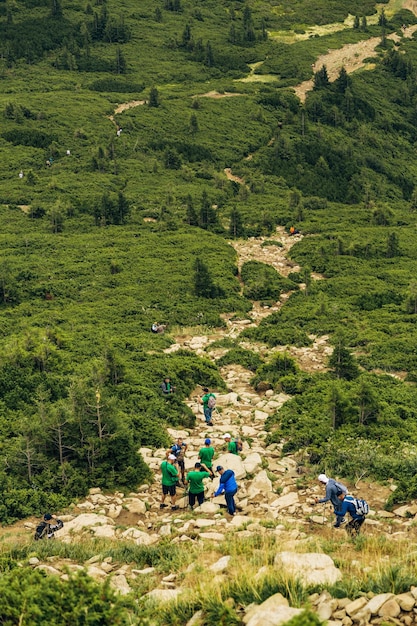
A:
(230, 501)
(354, 526)
(192, 497)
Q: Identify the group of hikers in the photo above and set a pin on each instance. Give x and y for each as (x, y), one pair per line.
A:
(173, 474)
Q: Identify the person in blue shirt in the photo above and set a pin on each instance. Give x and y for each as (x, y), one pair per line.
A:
(347, 506)
(228, 485)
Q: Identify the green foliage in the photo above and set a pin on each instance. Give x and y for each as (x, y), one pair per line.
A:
(35, 595)
(240, 356)
(306, 618)
(262, 282)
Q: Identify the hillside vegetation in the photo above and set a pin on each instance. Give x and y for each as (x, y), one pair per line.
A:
(133, 151)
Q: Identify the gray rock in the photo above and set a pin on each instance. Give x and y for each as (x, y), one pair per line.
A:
(312, 568)
(221, 564)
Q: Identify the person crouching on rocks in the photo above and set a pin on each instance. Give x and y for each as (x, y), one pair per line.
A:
(228, 485)
(48, 527)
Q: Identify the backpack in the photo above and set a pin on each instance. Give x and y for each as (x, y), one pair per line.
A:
(211, 403)
(41, 531)
(361, 506)
(340, 488)
(239, 445)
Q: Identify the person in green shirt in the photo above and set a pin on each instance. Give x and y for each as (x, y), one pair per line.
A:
(234, 446)
(169, 481)
(206, 455)
(208, 400)
(195, 480)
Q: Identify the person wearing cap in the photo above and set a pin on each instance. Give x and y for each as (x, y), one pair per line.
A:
(232, 446)
(206, 455)
(169, 481)
(48, 527)
(333, 490)
(205, 401)
(179, 448)
(195, 480)
(228, 485)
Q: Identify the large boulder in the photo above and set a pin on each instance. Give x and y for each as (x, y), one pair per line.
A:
(252, 462)
(273, 612)
(312, 568)
(233, 462)
(284, 502)
(79, 523)
(260, 484)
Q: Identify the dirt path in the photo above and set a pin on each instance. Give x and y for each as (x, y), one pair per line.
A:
(351, 57)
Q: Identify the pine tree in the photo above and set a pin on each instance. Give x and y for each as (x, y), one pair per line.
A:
(153, 97)
(236, 228)
(382, 20)
(393, 245)
(208, 57)
(120, 62)
(208, 215)
(356, 22)
(203, 283)
(321, 78)
(342, 362)
(191, 215)
(343, 81)
(56, 8)
(193, 124)
(364, 24)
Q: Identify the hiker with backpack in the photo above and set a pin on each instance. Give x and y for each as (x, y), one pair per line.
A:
(178, 449)
(206, 455)
(208, 400)
(48, 527)
(195, 481)
(233, 446)
(169, 481)
(167, 387)
(228, 485)
(333, 490)
(357, 509)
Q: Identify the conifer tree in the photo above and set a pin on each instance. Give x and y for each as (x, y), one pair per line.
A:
(236, 228)
(321, 78)
(203, 283)
(153, 98)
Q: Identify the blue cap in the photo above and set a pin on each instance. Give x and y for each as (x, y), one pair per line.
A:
(207, 441)
(47, 517)
(218, 468)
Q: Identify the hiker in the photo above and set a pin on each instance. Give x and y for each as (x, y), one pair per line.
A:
(206, 455)
(228, 485)
(208, 400)
(119, 131)
(48, 527)
(169, 481)
(167, 387)
(356, 508)
(235, 446)
(21, 174)
(294, 231)
(158, 328)
(179, 448)
(333, 490)
(195, 480)
(68, 152)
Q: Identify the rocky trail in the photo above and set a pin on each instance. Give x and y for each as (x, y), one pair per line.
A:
(275, 498)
